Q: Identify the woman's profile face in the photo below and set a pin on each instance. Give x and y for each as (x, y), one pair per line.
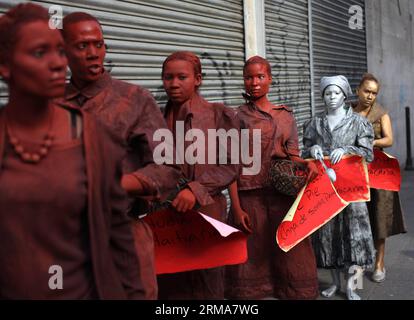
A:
(257, 80)
(37, 65)
(333, 97)
(180, 81)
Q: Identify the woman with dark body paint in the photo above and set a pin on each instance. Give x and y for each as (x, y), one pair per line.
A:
(181, 75)
(259, 209)
(62, 207)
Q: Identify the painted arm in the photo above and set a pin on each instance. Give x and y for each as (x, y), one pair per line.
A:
(310, 147)
(241, 217)
(152, 180)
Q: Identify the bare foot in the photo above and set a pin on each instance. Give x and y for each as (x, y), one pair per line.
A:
(330, 291)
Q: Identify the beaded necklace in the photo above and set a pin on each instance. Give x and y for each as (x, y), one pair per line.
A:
(32, 157)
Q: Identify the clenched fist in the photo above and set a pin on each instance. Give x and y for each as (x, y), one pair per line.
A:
(184, 201)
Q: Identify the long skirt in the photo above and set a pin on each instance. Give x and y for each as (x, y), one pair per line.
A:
(385, 214)
(269, 271)
(203, 284)
(345, 240)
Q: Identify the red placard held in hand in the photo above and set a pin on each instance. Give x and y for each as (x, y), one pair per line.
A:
(352, 183)
(320, 200)
(315, 205)
(192, 240)
(384, 172)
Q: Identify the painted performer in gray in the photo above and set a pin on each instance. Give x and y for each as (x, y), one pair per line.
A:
(345, 242)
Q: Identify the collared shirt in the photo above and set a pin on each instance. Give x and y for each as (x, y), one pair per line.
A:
(279, 138)
(353, 133)
(132, 116)
(207, 179)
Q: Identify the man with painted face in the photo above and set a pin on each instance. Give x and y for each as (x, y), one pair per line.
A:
(346, 240)
(132, 116)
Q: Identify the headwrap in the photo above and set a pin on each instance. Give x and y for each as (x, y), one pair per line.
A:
(340, 81)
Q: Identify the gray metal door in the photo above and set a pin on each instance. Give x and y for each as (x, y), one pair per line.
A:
(337, 49)
(140, 34)
(287, 49)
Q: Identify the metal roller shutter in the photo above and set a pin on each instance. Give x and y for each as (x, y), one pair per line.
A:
(337, 49)
(140, 34)
(287, 49)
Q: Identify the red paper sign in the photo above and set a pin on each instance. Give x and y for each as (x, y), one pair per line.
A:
(315, 205)
(352, 183)
(384, 172)
(321, 200)
(192, 240)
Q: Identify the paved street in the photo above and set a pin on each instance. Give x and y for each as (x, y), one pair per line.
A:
(399, 258)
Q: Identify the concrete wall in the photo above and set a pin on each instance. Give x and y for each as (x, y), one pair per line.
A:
(390, 46)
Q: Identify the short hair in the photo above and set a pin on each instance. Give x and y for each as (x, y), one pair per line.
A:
(185, 56)
(12, 21)
(258, 60)
(369, 77)
(76, 17)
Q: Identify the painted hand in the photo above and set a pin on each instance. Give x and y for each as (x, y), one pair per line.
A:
(336, 155)
(316, 152)
(242, 219)
(184, 201)
(132, 185)
(310, 165)
(313, 170)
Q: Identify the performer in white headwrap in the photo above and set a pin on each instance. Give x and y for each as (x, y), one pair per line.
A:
(346, 240)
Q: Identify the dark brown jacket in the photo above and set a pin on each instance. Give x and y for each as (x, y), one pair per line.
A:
(132, 115)
(114, 261)
(207, 180)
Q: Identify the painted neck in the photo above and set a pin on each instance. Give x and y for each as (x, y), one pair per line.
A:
(81, 84)
(337, 112)
(263, 103)
(175, 105)
(362, 108)
(27, 110)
